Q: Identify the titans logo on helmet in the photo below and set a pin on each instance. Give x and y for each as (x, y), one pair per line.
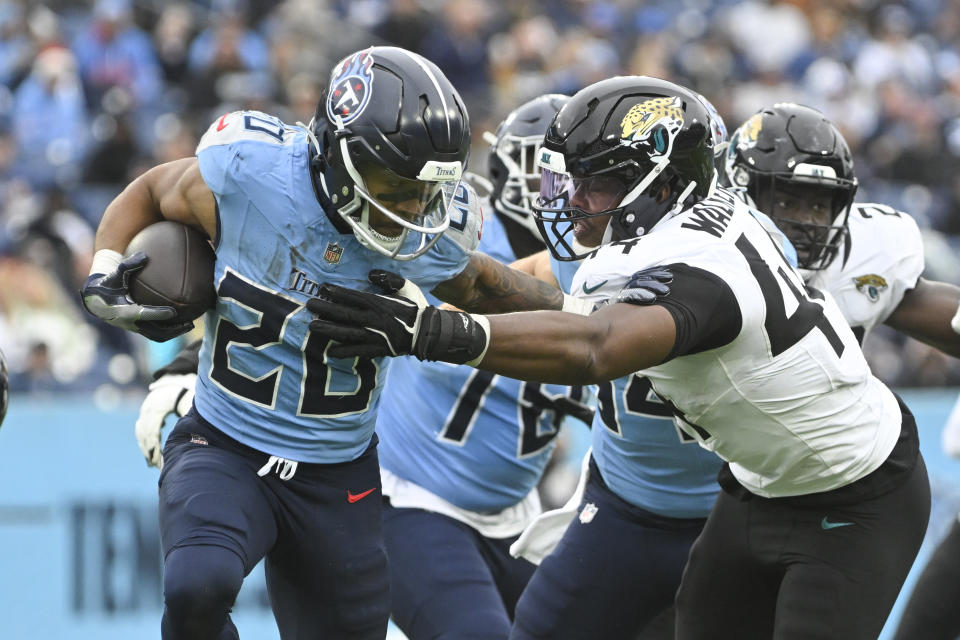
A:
(350, 88)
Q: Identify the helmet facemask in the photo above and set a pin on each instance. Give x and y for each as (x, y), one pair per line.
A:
(521, 185)
(811, 208)
(369, 197)
(632, 197)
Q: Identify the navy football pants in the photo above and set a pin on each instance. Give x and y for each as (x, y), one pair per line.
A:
(449, 582)
(608, 577)
(326, 566)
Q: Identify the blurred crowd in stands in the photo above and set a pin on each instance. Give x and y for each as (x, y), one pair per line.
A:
(93, 93)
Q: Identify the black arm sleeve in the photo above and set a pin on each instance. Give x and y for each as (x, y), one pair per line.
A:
(186, 361)
(704, 309)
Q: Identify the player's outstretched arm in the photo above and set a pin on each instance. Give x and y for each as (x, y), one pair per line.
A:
(547, 346)
(930, 312)
(538, 266)
(561, 348)
(489, 286)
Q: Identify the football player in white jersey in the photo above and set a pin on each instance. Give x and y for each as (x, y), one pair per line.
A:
(870, 258)
(790, 162)
(825, 496)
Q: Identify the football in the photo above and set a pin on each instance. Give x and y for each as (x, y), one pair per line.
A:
(179, 272)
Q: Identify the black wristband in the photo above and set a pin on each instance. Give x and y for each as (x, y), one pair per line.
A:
(450, 336)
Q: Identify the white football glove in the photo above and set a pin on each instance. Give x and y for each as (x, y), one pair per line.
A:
(172, 393)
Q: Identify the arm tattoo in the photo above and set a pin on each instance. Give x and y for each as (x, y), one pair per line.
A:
(487, 286)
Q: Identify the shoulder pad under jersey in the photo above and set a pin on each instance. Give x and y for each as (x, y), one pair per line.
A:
(466, 218)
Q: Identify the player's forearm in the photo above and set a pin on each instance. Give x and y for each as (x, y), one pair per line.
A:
(172, 191)
(547, 346)
(564, 348)
(538, 266)
(488, 286)
(130, 212)
(925, 313)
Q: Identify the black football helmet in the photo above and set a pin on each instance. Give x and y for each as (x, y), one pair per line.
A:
(393, 137)
(512, 166)
(789, 153)
(632, 148)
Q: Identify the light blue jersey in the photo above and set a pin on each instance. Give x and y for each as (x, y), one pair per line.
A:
(478, 440)
(642, 456)
(264, 379)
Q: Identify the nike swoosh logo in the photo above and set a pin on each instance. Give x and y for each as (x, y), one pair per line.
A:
(223, 123)
(589, 290)
(826, 524)
(356, 497)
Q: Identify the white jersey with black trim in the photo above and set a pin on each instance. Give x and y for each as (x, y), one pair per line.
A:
(786, 397)
(881, 259)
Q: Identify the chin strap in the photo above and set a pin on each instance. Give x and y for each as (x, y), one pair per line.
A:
(312, 137)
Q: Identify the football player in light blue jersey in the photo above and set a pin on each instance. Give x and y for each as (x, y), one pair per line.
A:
(460, 471)
(278, 457)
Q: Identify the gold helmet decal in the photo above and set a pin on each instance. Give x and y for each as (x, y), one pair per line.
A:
(653, 123)
(871, 286)
(745, 137)
(749, 132)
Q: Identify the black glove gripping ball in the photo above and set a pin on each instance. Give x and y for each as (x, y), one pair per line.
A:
(179, 272)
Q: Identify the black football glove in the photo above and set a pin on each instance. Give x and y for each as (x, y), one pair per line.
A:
(163, 331)
(646, 286)
(394, 323)
(107, 296)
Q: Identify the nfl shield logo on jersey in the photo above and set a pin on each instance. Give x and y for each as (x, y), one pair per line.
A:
(333, 252)
(589, 511)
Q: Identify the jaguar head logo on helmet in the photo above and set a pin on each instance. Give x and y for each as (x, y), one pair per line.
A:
(392, 138)
(653, 124)
(620, 156)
